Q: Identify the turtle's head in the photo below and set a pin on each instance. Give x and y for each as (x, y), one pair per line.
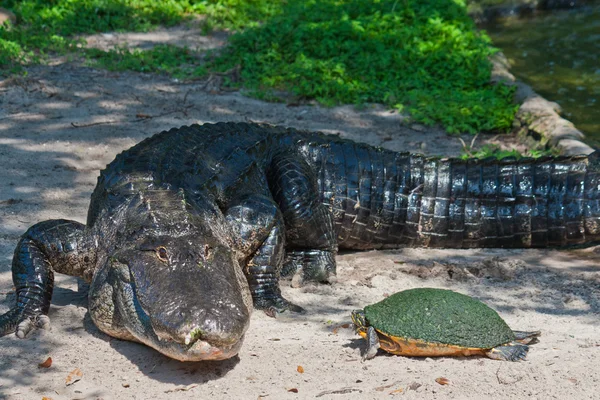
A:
(360, 322)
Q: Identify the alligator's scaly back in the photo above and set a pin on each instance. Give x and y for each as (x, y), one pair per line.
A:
(381, 198)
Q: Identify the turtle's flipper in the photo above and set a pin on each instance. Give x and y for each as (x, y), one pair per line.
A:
(372, 343)
(512, 351)
(525, 337)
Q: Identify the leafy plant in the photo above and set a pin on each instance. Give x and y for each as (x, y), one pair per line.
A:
(424, 56)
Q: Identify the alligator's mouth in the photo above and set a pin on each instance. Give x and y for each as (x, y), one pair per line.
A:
(197, 350)
(195, 345)
(192, 347)
(202, 330)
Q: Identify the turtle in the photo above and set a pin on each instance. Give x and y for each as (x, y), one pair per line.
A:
(427, 322)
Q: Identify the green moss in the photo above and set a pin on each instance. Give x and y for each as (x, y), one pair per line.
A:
(442, 316)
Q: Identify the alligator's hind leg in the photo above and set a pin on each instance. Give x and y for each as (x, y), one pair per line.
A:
(258, 227)
(56, 245)
(311, 245)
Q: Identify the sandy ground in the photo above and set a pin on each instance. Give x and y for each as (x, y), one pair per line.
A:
(61, 124)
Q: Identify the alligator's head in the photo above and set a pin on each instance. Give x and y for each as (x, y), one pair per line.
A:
(183, 295)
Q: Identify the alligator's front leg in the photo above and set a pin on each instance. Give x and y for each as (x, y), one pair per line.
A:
(311, 244)
(258, 227)
(51, 246)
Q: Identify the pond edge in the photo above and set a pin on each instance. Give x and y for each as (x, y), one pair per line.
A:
(540, 117)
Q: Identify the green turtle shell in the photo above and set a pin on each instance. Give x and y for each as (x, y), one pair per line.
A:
(441, 316)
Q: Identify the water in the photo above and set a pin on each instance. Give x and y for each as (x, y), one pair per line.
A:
(558, 54)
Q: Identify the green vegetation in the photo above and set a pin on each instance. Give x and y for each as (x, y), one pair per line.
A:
(492, 150)
(175, 61)
(420, 56)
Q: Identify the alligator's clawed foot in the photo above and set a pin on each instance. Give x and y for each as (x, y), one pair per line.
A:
(16, 321)
(276, 305)
(28, 324)
(309, 265)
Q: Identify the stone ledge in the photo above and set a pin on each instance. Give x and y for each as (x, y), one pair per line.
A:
(540, 116)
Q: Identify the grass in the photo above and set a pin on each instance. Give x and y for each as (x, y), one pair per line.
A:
(494, 151)
(175, 61)
(420, 56)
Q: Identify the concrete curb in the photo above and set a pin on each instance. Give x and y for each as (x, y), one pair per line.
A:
(539, 116)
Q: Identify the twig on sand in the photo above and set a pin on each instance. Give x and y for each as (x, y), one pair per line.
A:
(469, 149)
(74, 125)
(142, 117)
(339, 391)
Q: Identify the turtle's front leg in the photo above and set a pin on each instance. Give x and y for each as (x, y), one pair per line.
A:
(56, 245)
(372, 343)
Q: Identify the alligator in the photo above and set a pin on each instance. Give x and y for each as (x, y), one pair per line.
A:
(191, 229)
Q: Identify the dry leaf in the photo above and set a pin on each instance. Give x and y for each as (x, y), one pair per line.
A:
(442, 381)
(293, 390)
(46, 398)
(337, 328)
(300, 369)
(46, 364)
(270, 312)
(399, 390)
(74, 376)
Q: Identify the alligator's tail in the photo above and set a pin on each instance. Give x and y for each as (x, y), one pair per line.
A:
(384, 198)
(550, 201)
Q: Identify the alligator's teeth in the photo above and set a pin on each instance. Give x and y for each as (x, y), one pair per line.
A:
(188, 339)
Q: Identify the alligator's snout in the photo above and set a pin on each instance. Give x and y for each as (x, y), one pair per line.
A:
(201, 304)
(220, 324)
(209, 339)
(187, 307)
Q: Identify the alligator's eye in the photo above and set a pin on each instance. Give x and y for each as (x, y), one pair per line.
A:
(161, 253)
